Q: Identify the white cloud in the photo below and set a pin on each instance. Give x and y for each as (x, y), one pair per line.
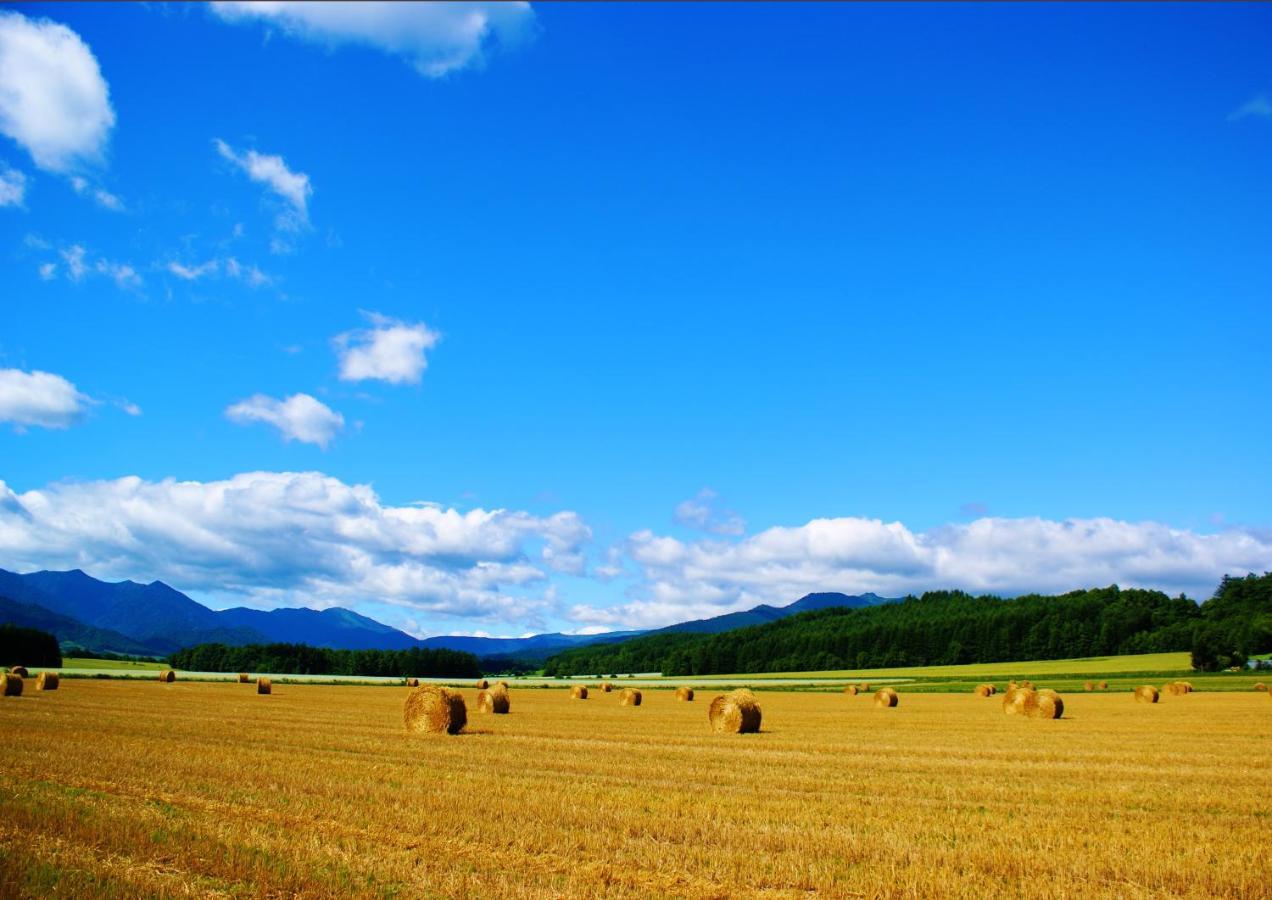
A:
(48, 271)
(53, 99)
(39, 398)
(390, 350)
(193, 273)
(12, 186)
(286, 537)
(293, 188)
(705, 513)
(1257, 107)
(124, 276)
(73, 256)
(300, 417)
(103, 197)
(435, 38)
(683, 580)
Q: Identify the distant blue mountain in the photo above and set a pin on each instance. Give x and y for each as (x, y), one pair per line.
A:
(538, 646)
(759, 615)
(339, 628)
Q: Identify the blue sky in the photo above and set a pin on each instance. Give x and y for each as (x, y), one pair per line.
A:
(663, 310)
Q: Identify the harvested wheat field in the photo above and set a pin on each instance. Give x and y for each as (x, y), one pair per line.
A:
(135, 789)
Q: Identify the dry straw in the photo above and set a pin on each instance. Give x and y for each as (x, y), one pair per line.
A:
(263, 686)
(1146, 694)
(1177, 688)
(886, 698)
(493, 700)
(167, 676)
(629, 697)
(851, 690)
(1260, 686)
(986, 690)
(684, 693)
(737, 712)
(501, 684)
(482, 684)
(20, 671)
(1090, 686)
(605, 687)
(244, 678)
(11, 685)
(1014, 701)
(864, 687)
(433, 708)
(47, 681)
(412, 682)
(1044, 704)
(1104, 685)
(578, 692)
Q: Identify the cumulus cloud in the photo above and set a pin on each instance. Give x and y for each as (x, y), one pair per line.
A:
(705, 513)
(1256, 108)
(390, 350)
(435, 38)
(299, 417)
(12, 186)
(692, 579)
(293, 188)
(291, 537)
(53, 99)
(39, 399)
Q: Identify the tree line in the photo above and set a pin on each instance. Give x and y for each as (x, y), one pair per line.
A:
(301, 659)
(953, 627)
(28, 647)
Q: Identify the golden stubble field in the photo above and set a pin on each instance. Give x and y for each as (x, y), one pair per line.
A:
(117, 788)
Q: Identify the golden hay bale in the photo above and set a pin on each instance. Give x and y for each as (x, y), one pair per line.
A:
(1260, 686)
(20, 671)
(886, 698)
(244, 678)
(737, 712)
(1015, 699)
(1089, 686)
(1044, 704)
(1104, 685)
(437, 709)
(11, 685)
(1188, 688)
(1146, 694)
(605, 687)
(629, 697)
(412, 682)
(482, 684)
(1011, 685)
(47, 681)
(494, 700)
(864, 687)
(167, 676)
(501, 684)
(1027, 685)
(578, 692)
(851, 690)
(985, 690)
(684, 693)
(263, 686)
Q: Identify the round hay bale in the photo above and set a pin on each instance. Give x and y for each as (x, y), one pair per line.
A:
(11, 685)
(851, 690)
(886, 698)
(264, 686)
(47, 681)
(1089, 686)
(1011, 685)
(436, 709)
(244, 678)
(684, 693)
(482, 684)
(1260, 686)
(1188, 688)
(605, 687)
(20, 671)
(737, 712)
(629, 697)
(1027, 685)
(1146, 694)
(578, 692)
(412, 682)
(1104, 685)
(864, 687)
(1015, 699)
(502, 684)
(985, 690)
(167, 676)
(493, 700)
(1043, 705)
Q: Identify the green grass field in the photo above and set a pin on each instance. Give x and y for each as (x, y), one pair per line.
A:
(1095, 665)
(77, 662)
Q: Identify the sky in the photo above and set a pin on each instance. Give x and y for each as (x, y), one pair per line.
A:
(500, 319)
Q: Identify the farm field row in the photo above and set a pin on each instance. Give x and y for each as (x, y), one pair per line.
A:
(132, 788)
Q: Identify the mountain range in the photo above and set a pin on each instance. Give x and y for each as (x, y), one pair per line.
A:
(155, 619)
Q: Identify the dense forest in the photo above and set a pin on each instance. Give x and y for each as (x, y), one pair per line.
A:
(28, 647)
(301, 659)
(952, 627)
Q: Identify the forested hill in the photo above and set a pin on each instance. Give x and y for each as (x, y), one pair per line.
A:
(951, 627)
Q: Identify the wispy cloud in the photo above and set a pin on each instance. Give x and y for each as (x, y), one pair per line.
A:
(705, 513)
(1258, 107)
(299, 417)
(12, 186)
(292, 188)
